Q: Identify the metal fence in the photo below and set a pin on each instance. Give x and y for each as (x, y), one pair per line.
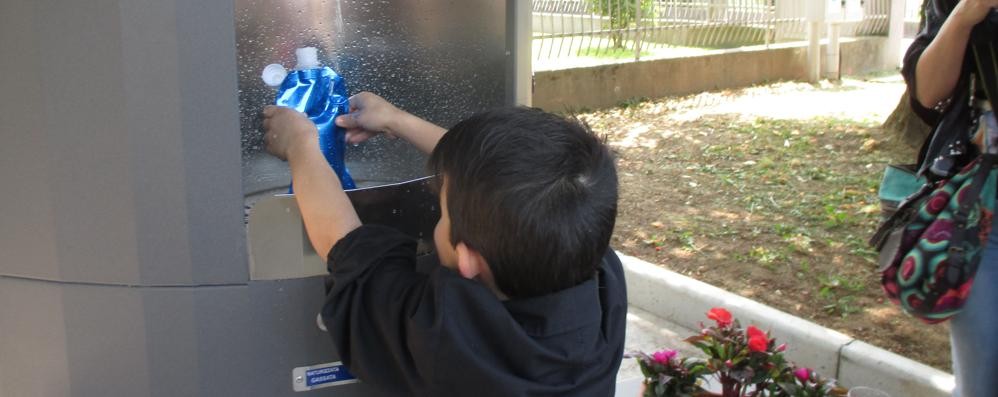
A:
(632, 29)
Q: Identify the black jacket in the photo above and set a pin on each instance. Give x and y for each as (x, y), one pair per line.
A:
(436, 333)
(947, 148)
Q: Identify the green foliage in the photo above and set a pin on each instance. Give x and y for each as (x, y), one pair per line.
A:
(839, 291)
(673, 377)
(617, 52)
(766, 257)
(686, 238)
(622, 14)
(744, 362)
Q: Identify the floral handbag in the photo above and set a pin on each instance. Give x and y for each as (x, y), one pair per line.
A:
(931, 246)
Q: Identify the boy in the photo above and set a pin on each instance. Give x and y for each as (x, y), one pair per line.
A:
(529, 301)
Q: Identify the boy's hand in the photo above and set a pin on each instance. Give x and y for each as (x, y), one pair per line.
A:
(325, 208)
(369, 115)
(286, 130)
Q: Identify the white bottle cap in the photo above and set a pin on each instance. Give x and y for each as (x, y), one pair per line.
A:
(274, 74)
(308, 58)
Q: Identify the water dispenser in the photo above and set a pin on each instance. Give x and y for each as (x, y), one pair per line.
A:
(147, 247)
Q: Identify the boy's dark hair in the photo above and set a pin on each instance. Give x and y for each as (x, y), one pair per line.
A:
(534, 193)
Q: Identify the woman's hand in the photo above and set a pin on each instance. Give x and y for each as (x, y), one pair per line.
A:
(971, 12)
(938, 69)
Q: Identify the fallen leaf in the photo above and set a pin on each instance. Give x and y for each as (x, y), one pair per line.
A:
(870, 145)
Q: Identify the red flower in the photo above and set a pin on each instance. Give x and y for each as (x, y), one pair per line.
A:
(757, 340)
(757, 344)
(723, 317)
(753, 332)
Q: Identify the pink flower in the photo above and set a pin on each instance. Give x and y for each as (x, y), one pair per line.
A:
(802, 374)
(663, 357)
(782, 347)
(757, 340)
(721, 316)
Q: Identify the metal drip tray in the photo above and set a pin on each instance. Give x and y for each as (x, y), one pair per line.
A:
(279, 246)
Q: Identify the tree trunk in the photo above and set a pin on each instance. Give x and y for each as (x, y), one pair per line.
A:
(904, 126)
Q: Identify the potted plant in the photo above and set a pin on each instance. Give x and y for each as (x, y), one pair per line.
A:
(743, 362)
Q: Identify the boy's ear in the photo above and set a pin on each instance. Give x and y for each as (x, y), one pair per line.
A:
(469, 262)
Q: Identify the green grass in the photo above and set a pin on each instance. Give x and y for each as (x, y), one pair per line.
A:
(776, 209)
(812, 186)
(840, 293)
(610, 53)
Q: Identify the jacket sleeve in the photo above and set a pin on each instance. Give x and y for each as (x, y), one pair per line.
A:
(936, 12)
(380, 311)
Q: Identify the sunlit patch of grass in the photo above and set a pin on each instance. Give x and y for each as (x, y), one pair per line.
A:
(610, 52)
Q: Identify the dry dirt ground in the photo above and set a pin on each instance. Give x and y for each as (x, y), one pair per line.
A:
(769, 192)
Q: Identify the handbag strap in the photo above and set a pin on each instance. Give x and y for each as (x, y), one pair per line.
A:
(988, 72)
(984, 58)
(957, 270)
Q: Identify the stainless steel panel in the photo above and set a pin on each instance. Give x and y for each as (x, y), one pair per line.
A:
(440, 59)
(103, 340)
(33, 355)
(121, 160)
(279, 246)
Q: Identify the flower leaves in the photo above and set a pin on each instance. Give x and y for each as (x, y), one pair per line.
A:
(746, 363)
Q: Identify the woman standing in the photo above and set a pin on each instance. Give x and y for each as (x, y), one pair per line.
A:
(947, 92)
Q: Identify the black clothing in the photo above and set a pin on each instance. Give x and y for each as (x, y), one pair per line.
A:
(936, 12)
(439, 334)
(947, 149)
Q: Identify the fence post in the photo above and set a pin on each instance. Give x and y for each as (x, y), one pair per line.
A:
(770, 24)
(815, 10)
(895, 33)
(637, 30)
(833, 51)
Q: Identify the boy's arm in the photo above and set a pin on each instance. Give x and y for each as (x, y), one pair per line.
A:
(380, 312)
(371, 115)
(325, 208)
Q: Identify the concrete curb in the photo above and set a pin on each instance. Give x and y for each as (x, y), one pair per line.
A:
(685, 301)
